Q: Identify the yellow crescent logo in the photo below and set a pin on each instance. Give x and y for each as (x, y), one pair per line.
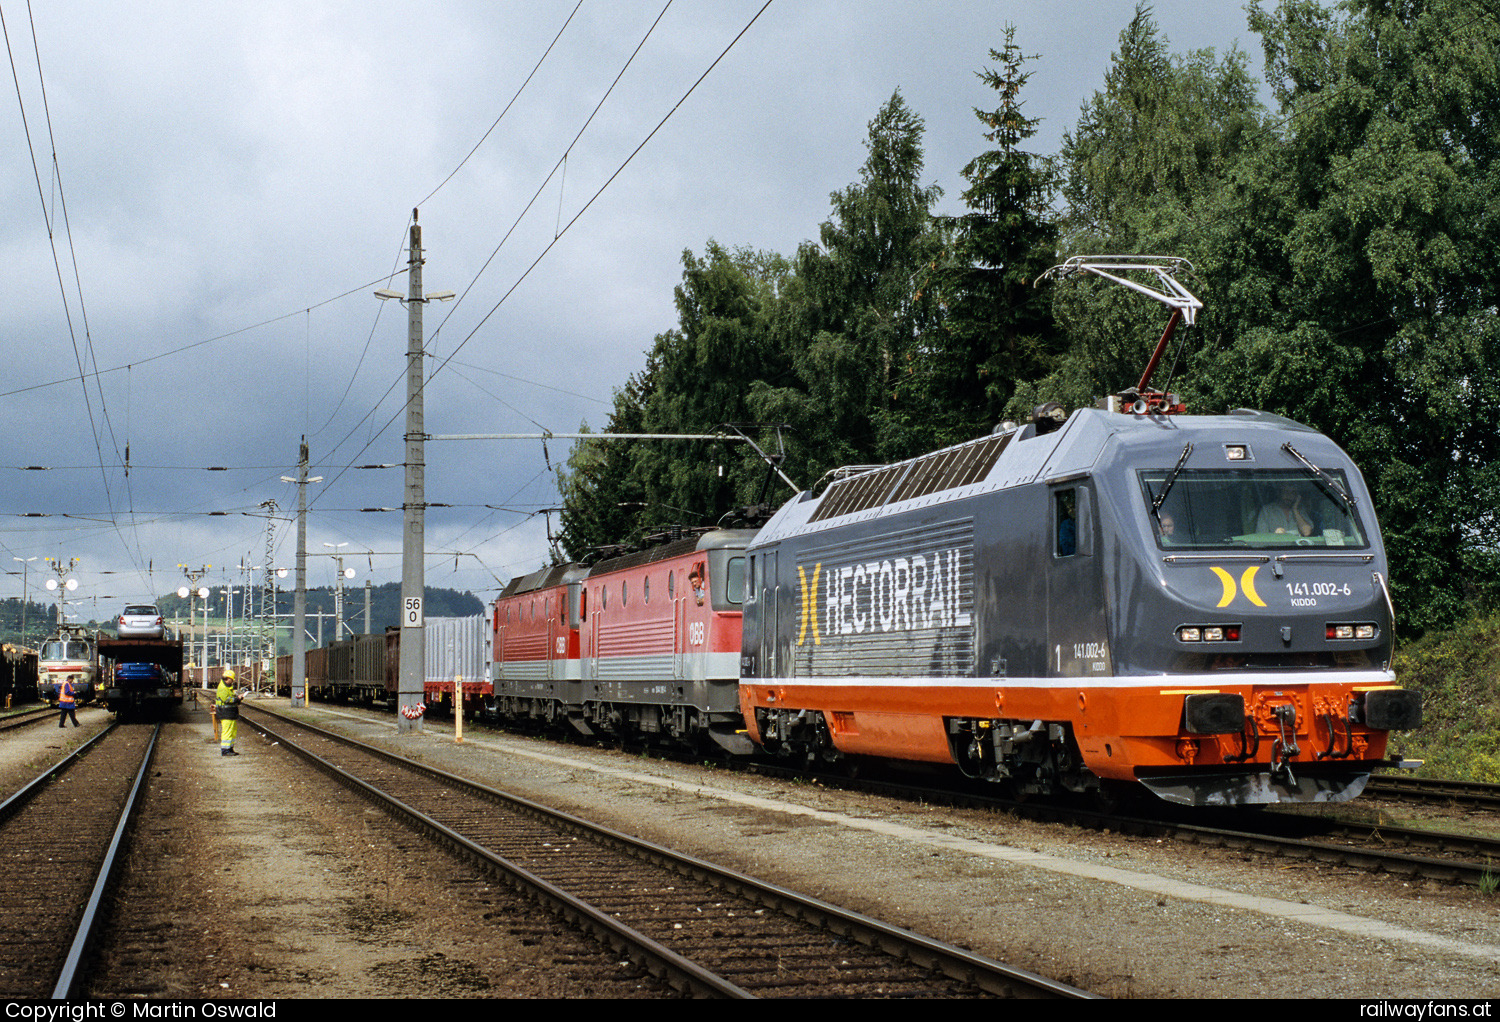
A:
(809, 604)
(1247, 583)
(1228, 581)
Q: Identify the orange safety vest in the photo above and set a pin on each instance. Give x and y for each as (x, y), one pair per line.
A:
(65, 694)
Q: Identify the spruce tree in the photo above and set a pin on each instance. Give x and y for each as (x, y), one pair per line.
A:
(998, 329)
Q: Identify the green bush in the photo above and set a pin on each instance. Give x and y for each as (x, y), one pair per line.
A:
(1458, 673)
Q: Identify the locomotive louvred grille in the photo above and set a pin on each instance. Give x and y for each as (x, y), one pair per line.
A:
(945, 470)
(858, 494)
(948, 470)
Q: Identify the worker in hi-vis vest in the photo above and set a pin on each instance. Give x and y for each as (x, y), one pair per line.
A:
(227, 709)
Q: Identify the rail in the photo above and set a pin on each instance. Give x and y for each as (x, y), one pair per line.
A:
(66, 832)
(68, 979)
(1428, 789)
(975, 972)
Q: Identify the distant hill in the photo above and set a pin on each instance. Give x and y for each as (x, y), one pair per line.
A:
(41, 619)
(385, 605)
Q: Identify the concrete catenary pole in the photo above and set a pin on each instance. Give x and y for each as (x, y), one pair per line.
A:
(299, 600)
(413, 665)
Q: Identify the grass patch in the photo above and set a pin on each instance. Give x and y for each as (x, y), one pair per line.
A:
(1458, 674)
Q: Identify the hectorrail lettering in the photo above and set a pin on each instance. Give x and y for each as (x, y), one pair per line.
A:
(897, 594)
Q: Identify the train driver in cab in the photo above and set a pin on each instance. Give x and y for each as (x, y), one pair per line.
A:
(1286, 514)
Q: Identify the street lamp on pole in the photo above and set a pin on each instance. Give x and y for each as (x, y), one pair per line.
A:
(62, 583)
(413, 667)
(193, 593)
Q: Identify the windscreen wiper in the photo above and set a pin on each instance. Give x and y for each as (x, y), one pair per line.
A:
(1329, 483)
(1171, 478)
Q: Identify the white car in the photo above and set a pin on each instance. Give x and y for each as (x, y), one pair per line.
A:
(140, 621)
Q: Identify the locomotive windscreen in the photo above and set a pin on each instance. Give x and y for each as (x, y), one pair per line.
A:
(1218, 508)
(66, 651)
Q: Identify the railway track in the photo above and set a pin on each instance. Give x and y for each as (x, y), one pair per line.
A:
(1468, 859)
(1416, 852)
(1427, 789)
(63, 834)
(1383, 847)
(705, 930)
(23, 718)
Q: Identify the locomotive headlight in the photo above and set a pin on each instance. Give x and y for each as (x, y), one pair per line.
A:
(1341, 631)
(1364, 631)
(1234, 452)
(1208, 633)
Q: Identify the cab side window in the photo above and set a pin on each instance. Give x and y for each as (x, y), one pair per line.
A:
(1065, 522)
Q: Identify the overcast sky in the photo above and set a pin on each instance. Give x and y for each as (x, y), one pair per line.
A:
(238, 178)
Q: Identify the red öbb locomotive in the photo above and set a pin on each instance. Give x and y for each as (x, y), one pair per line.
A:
(640, 643)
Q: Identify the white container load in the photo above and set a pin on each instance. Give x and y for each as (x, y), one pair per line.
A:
(457, 646)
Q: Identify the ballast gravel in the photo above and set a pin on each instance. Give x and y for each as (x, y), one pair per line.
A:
(276, 899)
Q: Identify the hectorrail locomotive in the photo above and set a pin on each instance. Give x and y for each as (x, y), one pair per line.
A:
(1127, 598)
(1110, 601)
